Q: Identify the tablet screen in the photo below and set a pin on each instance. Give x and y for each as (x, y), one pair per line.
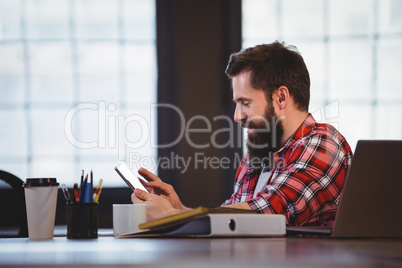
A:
(128, 176)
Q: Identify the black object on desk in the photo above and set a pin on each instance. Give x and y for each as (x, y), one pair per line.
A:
(82, 220)
(12, 209)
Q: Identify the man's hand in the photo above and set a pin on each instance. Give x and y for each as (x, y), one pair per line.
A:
(157, 206)
(156, 186)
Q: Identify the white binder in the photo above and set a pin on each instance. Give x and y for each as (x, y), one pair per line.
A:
(222, 225)
(233, 225)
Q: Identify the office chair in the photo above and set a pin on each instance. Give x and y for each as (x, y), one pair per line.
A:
(13, 217)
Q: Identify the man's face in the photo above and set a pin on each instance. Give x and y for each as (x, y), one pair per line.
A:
(255, 113)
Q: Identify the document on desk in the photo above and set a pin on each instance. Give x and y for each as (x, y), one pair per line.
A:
(214, 222)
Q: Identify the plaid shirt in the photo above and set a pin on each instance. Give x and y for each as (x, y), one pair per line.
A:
(306, 181)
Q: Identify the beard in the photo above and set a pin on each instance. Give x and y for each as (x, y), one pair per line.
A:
(264, 138)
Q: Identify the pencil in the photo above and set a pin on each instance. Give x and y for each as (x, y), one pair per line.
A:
(98, 191)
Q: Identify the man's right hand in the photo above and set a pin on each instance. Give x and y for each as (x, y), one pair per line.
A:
(157, 206)
(156, 186)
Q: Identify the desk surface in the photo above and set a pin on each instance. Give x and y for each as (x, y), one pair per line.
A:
(228, 252)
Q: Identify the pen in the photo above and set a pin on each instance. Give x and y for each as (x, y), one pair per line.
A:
(77, 198)
(98, 191)
(91, 189)
(83, 188)
(82, 180)
(87, 193)
(65, 192)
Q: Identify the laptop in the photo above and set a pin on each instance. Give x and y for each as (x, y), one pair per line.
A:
(371, 201)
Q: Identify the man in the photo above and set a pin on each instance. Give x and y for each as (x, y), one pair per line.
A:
(294, 166)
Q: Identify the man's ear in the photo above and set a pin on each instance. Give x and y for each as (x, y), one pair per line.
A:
(282, 96)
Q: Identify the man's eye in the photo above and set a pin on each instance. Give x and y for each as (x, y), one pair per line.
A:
(245, 104)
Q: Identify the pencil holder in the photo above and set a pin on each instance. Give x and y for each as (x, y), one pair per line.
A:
(82, 220)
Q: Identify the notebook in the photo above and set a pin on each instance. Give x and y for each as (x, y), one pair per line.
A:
(371, 201)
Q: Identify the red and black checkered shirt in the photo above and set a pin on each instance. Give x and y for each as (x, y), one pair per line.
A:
(306, 181)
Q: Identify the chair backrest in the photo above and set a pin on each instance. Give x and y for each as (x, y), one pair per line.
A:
(13, 217)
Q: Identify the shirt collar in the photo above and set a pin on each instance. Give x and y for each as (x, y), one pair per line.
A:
(307, 125)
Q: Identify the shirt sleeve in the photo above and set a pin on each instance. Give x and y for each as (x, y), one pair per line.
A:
(306, 183)
(237, 183)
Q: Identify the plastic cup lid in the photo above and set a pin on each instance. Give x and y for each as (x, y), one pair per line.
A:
(35, 182)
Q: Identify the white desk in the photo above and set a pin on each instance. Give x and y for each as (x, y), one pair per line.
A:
(235, 252)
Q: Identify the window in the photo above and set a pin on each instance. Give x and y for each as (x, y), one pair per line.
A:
(352, 51)
(77, 79)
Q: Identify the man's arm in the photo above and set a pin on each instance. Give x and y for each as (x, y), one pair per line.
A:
(242, 205)
(159, 207)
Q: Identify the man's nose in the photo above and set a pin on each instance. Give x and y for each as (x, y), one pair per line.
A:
(238, 114)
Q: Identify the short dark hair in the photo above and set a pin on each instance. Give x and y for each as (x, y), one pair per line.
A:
(274, 65)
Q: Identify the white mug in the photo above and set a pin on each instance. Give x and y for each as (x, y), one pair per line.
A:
(127, 217)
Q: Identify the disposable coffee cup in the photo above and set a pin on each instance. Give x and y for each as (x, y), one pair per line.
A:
(41, 201)
(127, 217)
